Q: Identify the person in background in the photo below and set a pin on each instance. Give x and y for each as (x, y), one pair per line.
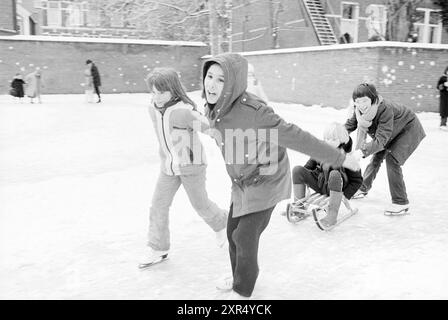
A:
(34, 85)
(17, 86)
(442, 86)
(88, 85)
(254, 85)
(96, 78)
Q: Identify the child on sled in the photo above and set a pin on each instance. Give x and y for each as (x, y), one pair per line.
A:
(335, 183)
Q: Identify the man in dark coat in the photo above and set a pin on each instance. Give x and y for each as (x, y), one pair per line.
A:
(96, 78)
(442, 86)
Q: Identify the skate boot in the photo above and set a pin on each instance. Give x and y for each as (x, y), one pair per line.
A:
(334, 204)
(397, 210)
(225, 283)
(359, 194)
(153, 257)
(296, 211)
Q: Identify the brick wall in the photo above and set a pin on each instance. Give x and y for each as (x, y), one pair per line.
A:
(123, 66)
(403, 72)
(7, 16)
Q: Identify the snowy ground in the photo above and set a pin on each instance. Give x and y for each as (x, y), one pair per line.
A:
(76, 182)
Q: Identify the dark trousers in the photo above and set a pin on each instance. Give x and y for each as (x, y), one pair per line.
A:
(302, 175)
(244, 234)
(397, 187)
(97, 91)
(443, 121)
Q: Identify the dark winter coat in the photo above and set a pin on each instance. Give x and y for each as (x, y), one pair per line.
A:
(443, 106)
(260, 181)
(395, 128)
(96, 76)
(17, 88)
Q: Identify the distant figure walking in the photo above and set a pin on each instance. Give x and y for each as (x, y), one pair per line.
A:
(442, 86)
(17, 86)
(95, 78)
(88, 85)
(33, 85)
(254, 85)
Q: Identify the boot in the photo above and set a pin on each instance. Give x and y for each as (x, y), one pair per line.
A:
(333, 208)
(299, 191)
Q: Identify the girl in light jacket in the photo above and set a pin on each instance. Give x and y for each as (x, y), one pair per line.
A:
(253, 141)
(176, 122)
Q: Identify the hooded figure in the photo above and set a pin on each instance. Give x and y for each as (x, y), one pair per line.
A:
(253, 141)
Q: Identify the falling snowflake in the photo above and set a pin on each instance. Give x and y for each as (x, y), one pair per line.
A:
(31, 65)
(412, 67)
(432, 63)
(294, 64)
(400, 63)
(10, 48)
(393, 78)
(412, 98)
(392, 70)
(114, 90)
(406, 80)
(157, 62)
(422, 62)
(17, 63)
(384, 69)
(414, 53)
(420, 96)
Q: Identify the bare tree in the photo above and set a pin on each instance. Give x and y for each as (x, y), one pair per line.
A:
(401, 19)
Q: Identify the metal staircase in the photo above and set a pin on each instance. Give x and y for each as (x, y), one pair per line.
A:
(320, 22)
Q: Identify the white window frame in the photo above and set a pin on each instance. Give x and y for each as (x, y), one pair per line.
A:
(354, 21)
(426, 27)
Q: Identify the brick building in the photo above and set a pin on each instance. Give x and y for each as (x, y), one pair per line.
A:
(263, 24)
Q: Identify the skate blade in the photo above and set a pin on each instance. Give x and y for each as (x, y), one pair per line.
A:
(404, 212)
(143, 266)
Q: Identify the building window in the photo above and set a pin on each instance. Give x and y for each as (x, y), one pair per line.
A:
(64, 13)
(350, 10)
(428, 25)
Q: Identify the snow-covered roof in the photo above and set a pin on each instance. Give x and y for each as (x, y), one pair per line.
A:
(103, 40)
(371, 44)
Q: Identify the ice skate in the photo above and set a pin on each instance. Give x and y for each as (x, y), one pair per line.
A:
(236, 296)
(153, 257)
(443, 128)
(359, 194)
(397, 210)
(225, 283)
(296, 211)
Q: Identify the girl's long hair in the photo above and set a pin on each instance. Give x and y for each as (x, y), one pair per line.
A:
(167, 79)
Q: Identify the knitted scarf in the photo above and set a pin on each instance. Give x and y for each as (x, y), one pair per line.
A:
(364, 122)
